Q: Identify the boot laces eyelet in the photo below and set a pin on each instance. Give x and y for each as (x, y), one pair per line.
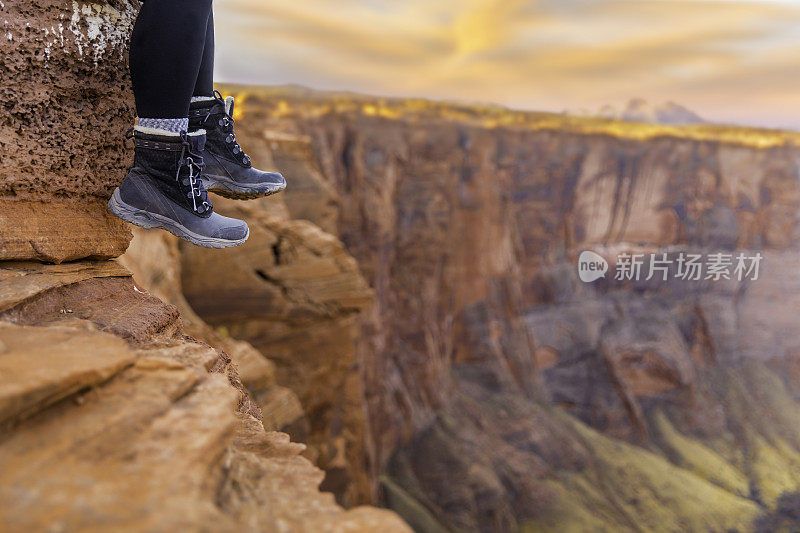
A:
(194, 169)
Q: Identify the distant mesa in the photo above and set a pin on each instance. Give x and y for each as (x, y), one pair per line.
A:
(639, 110)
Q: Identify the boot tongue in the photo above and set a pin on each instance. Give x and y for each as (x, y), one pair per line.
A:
(229, 106)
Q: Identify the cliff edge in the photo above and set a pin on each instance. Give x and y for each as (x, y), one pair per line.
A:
(111, 416)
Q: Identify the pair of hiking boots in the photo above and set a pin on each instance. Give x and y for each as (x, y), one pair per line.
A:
(167, 186)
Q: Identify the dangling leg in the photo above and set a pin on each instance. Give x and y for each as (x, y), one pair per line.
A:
(204, 86)
(167, 47)
(164, 189)
(228, 170)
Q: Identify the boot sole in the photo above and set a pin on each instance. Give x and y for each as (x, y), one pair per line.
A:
(146, 219)
(229, 189)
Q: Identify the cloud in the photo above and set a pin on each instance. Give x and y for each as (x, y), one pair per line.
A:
(485, 25)
(730, 61)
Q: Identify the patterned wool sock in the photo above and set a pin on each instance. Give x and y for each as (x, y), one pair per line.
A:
(173, 125)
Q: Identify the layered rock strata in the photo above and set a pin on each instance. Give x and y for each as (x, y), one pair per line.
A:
(468, 224)
(114, 419)
(295, 294)
(65, 109)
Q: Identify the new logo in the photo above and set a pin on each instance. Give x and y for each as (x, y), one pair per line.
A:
(591, 266)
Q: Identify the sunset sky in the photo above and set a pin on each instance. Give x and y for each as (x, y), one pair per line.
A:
(729, 61)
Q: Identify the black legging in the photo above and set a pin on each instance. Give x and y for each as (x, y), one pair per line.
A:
(172, 56)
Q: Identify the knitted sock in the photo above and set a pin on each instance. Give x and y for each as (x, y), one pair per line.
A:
(167, 133)
(174, 125)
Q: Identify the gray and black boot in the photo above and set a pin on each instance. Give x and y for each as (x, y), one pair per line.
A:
(228, 170)
(164, 190)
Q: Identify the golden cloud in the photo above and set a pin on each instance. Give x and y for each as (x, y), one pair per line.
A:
(730, 61)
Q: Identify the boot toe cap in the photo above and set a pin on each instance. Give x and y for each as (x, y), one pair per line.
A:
(270, 180)
(234, 230)
(274, 178)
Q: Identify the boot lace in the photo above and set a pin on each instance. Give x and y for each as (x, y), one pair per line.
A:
(226, 123)
(193, 162)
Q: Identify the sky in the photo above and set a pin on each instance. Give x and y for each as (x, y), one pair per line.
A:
(729, 61)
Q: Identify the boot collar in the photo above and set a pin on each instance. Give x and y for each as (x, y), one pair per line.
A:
(156, 139)
(199, 106)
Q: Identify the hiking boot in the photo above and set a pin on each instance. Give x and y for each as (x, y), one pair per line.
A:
(164, 190)
(228, 171)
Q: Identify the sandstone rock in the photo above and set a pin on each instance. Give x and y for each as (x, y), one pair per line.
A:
(21, 281)
(34, 375)
(112, 418)
(35, 230)
(66, 105)
(282, 410)
(148, 434)
(98, 291)
(282, 480)
(154, 259)
(67, 101)
(294, 293)
(107, 457)
(313, 198)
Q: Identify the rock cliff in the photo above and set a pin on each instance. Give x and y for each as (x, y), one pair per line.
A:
(114, 419)
(120, 411)
(294, 293)
(618, 404)
(65, 108)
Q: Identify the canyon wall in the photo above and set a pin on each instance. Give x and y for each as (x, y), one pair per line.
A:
(120, 411)
(112, 418)
(501, 391)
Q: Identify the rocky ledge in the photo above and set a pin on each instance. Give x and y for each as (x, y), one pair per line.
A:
(114, 419)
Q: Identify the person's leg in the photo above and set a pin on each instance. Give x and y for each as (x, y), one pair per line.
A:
(164, 188)
(166, 54)
(228, 170)
(204, 86)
